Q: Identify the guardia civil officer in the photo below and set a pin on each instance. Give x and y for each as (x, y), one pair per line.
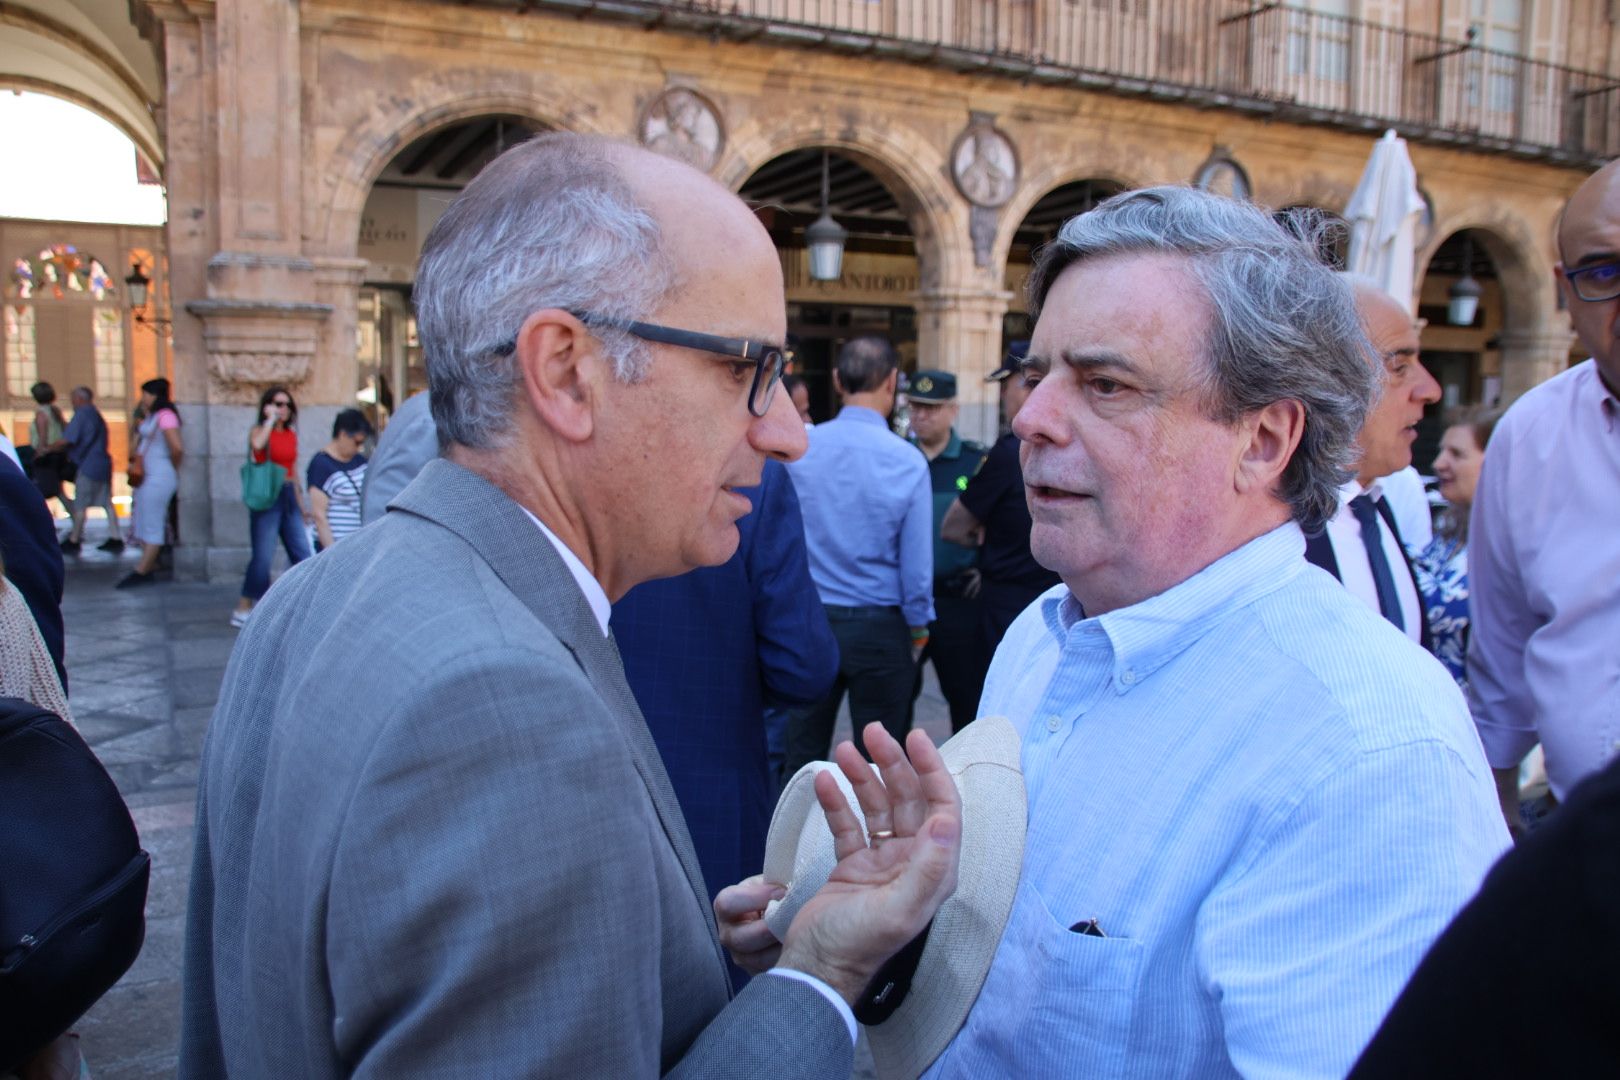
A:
(954, 638)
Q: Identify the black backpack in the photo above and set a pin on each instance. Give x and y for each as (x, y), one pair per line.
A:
(72, 880)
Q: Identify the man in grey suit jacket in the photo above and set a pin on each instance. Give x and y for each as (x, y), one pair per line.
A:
(433, 835)
(409, 442)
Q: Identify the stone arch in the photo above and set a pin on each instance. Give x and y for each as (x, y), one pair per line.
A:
(393, 121)
(68, 52)
(906, 163)
(1534, 337)
(1041, 184)
(1526, 276)
(145, 141)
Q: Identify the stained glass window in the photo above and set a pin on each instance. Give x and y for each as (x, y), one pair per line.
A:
(58, 270)
(22, 279)
(108, 331)
(22, 363)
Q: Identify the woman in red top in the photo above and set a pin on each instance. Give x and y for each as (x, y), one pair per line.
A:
(275, 439)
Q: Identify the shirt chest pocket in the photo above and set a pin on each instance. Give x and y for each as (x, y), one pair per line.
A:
(1077, 992)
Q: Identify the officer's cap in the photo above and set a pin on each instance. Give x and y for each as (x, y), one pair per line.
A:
(1016, 351)
(930, 385)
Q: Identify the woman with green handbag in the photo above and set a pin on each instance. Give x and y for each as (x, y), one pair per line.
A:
(272, 456)
(157, 448)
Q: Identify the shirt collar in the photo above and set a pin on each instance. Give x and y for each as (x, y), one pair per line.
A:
(595, 595)
(1147, 635)
(861, 414)
(1353, 488)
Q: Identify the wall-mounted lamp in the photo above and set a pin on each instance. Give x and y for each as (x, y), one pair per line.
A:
(139, 286)
(825, 237)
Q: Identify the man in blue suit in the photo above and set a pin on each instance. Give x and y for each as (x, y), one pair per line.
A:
(705, 654)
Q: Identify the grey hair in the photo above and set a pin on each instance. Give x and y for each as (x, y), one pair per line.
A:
(1285, 325)
(551, 223)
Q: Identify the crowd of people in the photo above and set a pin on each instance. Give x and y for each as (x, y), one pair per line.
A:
(613, 587)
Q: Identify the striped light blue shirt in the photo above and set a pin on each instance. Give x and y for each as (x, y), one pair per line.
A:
(1269, 800)
(868, 515)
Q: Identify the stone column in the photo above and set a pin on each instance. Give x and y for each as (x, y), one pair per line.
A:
(959, 330)
(235, 154)
(1530, 357)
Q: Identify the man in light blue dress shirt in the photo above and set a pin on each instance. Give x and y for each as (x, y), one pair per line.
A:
(1253, 803)
(869, 528)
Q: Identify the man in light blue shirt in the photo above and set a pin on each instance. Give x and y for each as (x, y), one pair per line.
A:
(868, 524)
(1253, 803)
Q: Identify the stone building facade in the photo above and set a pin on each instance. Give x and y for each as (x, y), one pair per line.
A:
(306, 147)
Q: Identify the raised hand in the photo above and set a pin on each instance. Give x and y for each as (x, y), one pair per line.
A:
(891, 876)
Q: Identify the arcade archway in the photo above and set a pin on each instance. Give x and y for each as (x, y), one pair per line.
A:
(1038, 228)
(880, 276)
(1465, 358)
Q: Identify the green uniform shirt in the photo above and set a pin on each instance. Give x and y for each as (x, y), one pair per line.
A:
(950, 472)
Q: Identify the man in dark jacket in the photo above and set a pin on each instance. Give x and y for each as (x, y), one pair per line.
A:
(33, 559)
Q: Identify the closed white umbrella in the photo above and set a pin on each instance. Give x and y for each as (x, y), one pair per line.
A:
(1384, 214)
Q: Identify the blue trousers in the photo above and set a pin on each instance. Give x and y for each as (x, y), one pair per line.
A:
(283, 519)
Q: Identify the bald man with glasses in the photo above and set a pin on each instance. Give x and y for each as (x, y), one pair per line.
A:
(1544, 555)
(449, 847)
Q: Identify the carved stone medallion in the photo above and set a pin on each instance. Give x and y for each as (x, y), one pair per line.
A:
(1221, 174)
(681, 123)
(984, 163)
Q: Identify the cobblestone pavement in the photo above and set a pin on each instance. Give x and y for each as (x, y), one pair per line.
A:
(145, 667)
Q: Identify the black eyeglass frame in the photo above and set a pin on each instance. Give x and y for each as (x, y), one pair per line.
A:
(1574, 278)
(768, 360)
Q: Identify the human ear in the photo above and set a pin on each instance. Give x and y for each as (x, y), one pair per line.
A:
(558, 361)
(1563, 286)
(1273, 436)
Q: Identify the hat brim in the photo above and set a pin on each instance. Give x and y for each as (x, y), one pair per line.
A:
(985, 760)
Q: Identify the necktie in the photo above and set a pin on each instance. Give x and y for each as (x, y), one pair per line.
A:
(1389, 601)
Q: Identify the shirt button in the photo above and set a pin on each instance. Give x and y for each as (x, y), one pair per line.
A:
(1053, 723)
(1128, 677)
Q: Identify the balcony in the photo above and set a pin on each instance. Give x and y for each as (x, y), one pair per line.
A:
(1262, 58)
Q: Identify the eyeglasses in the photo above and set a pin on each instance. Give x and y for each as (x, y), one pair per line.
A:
(1594, 283)
(282, 403)
(766, 361)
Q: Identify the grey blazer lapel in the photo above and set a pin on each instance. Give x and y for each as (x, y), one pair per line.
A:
(502, 534)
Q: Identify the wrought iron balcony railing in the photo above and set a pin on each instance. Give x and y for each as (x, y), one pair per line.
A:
(1266, 58)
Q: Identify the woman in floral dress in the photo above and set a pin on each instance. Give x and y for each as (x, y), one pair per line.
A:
(1442, 567)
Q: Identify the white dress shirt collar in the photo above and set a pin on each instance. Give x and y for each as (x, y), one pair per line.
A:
(595, 595)
(1352, 488)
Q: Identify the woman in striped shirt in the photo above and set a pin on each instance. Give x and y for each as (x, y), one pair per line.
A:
(337, 476)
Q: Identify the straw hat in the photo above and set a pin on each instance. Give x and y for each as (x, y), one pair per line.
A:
(984, 759)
